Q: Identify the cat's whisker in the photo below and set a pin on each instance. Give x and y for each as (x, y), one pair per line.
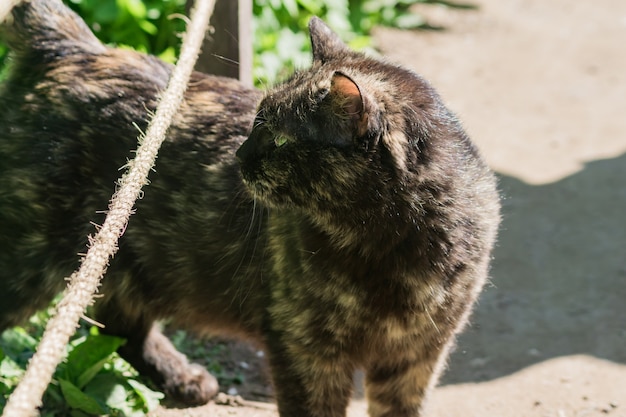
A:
(254, 202)
(246, 236)
(262, 83)
(430, 318)
(253, 254)
(226, 59)
(236, 201)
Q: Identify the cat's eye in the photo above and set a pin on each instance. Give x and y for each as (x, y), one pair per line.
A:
(280, 140)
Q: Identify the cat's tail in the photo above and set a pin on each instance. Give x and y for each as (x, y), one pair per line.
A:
(43, 30)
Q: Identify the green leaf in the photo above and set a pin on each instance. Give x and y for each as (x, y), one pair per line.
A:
(18, 345)
(135, 7)
(17, 340)
(106, 12)
(53, 397)
(111, 389)
(151, 399)
(78, 413)
(87, 358)
(360, 42)
(292, 7)
(77, 399)
(168, 55)
(84, 378)
(10, 369)
(123, 396)
(148, 27)
(311, 6)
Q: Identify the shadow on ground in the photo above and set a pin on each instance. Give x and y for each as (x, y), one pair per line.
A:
(558, 277)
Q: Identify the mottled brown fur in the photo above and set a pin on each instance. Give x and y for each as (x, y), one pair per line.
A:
(352, 229)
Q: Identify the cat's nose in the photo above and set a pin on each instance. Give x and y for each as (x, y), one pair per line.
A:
(246, 150)
(256, 146)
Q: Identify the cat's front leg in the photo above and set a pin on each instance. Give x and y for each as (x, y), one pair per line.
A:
(152, 354)
(396, 385)
(307, 382)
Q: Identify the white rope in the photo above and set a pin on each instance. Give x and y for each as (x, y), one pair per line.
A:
(84, 282)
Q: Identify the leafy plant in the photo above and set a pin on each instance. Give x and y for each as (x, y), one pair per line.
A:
(93, 380)
(280, 34)
(144, 25)
(280, 41)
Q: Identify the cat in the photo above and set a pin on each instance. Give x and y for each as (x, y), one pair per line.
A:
(342, 220)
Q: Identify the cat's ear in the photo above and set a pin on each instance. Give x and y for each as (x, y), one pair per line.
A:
(325, 43)
(349, 102)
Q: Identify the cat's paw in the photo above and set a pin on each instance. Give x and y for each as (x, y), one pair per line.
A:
(195, 386)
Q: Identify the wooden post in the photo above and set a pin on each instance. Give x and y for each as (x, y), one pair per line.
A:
(227, 48)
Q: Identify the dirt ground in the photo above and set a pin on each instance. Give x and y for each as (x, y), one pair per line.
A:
(541, 87)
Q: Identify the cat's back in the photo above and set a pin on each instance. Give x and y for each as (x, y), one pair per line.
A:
(71, 110)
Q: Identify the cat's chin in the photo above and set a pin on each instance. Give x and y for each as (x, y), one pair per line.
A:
(261, 193)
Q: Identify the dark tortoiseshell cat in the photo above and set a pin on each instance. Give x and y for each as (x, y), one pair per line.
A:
(351, 229)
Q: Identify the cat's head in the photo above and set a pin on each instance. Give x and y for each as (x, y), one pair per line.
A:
(344, 135)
